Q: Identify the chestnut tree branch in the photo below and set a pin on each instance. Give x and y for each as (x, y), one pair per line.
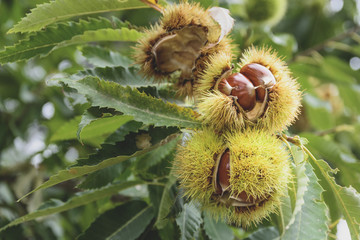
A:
(324, 44)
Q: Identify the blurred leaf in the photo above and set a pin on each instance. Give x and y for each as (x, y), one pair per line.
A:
(217, 230)
(311, 221)
(76, 201)
(126, 221)
(102, 57)
(144, 108)
(189, 221)
(57, 10)
(338, 70)
(347, 199)
(319, 112)
(43, 42)
(285, 44)
(78, 171)
(350, 94)
(344, 160)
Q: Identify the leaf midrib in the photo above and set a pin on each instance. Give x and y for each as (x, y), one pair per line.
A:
(327, 177)
(136, 108)
(129, 222)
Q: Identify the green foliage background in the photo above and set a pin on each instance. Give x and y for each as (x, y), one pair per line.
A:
(92, 142)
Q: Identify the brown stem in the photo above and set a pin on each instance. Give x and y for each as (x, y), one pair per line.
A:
(294, 140)
(339, 128)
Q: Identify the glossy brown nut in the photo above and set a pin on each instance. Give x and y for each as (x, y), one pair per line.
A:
(242, 88)
(224, 171)
(244, 197)
(260, 76)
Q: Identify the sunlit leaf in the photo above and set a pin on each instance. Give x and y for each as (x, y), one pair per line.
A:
(59, 10)
(144, 108)
(43, 42)
(311, 221)
(102, 57)
(288, 213)
(347, 199)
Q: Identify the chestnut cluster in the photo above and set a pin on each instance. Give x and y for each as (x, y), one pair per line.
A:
(239, 176)
(180, 43)
(234, 166)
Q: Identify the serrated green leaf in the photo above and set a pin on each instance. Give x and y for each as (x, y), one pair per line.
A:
(311, 221)
(131, 219)
(156, 135)
(67, 131)
(119, 134)
(286, 212)
(97, 130)
(135, 226)
(43, 42)
(58, 10)
(78, 171)
(217, 230)
(167, 201)
(104, 35)
(341, 158)
(102, 57)
(102, 177)
(76, 201)
(94, 133)
(124, 76)
(264, 233)
(347, 199)
(144, 108)
(155, 156)
(86, 119)
(189, 221)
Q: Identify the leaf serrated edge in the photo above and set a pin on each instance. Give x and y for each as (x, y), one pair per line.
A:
(353, 230)
(51, 28)
(45, 5)
(186, 112)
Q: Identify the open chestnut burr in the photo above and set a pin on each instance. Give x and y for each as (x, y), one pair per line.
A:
(249, 88)
(239, 175)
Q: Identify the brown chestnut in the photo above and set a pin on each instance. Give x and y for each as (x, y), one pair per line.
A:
(224, 171)
(241, 87)
(261, 77)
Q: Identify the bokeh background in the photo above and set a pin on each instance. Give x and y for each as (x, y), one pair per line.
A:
(318, 38)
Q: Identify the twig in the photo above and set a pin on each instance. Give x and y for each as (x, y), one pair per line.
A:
(339, 128)
(322, 45)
